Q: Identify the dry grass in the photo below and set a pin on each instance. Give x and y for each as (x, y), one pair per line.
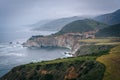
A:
(112, 63)
(95, 40)
(108, 43)
(101, 41)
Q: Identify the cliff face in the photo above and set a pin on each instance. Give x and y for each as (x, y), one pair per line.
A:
(68, 40)
(40, 41)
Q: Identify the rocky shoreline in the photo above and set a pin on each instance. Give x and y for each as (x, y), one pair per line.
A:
(68, 40)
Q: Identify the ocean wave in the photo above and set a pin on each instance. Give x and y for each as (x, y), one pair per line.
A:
(15, 54)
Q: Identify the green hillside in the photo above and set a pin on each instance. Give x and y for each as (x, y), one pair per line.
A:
(112, 63)
(110, 18)
(81, 26)
(57, 24)
(79, 68)
(93, 49)
(75, 68)
(111, 31)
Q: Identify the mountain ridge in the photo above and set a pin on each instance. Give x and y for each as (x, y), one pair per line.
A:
(110, 18)
(111, 31)
(57, 24)
(81, 26)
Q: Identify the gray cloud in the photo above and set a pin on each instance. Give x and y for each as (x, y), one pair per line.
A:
(20, 12)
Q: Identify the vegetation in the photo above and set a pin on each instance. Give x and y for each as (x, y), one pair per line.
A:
(78, 68)
(91, 61)
(111, 31)
(86, 67)
(97, 46)
(112, 63)
(93, 49)
(81, 26)
(111, 60)
(102, 41)
(33, 37)
(57, 24)
(97, 40)
(111, 18)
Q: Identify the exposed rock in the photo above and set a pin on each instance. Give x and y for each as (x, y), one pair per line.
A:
(68, 40)
(71, 73)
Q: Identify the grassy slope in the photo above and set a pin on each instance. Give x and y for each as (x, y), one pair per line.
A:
(111, 31)
(110, 18)
(81, 26)
(111, 60)
(93, 49)
(102, 41)
(97, 46)
(59, 68)
(82, 68)
(112, 63)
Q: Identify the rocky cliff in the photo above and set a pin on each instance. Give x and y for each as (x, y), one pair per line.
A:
(68, 40)
(40, 41)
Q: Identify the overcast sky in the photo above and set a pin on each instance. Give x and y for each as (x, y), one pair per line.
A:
(23, 12)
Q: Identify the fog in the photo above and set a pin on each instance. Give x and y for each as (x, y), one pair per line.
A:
(23, 12)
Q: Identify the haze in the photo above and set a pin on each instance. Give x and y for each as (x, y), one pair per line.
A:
(24, 12)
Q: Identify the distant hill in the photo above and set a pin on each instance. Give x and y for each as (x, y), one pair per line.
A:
(111, 31)
(111, 18)
(82, 26)
(57, 24)
(40, 23)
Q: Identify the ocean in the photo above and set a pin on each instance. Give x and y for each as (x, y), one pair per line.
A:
(12, 53)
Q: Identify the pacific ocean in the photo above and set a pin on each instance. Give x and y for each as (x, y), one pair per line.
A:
(13, 54)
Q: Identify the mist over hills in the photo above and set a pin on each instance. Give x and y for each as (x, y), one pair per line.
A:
(40, 23)
(111, 31)
(82, 26)
(85, 47)
(110, 18)
(56, 25)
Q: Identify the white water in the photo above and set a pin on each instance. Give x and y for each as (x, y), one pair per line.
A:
(14, 54)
